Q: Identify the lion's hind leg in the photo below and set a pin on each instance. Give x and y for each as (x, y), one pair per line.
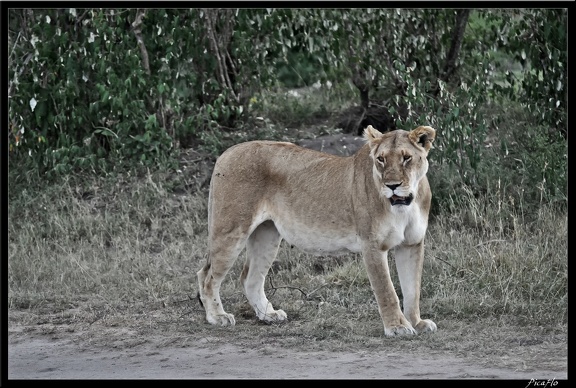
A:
(222, 255)
(261, 250)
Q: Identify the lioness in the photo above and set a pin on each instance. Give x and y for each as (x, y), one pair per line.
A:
(375, 200)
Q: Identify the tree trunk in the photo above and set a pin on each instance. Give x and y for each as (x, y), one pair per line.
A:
(457, 38)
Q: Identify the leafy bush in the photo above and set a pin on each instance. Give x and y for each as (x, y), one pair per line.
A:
(92, 88)
(538, 41)
(83, 93)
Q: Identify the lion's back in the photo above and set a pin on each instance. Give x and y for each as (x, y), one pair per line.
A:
(262, 159)
(282, 175)
(252, 162)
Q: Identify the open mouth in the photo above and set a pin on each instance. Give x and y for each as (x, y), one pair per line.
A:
(396, 200)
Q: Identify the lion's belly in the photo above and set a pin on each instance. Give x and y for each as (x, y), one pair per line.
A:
(334, 232)
(318, 242)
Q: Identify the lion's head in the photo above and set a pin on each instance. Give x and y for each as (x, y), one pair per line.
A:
(399, 161)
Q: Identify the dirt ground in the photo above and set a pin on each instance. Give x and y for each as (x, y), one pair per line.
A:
(92, 354)
(44, 347)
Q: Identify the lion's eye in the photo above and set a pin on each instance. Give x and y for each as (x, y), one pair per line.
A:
(407, 158)
(380, 159)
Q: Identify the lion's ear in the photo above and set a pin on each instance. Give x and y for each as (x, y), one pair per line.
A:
(423, 136)
(371, 133)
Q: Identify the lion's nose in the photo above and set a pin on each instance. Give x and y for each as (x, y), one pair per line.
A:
(393, 187)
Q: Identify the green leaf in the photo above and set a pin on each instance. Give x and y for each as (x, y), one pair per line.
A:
(40, 113)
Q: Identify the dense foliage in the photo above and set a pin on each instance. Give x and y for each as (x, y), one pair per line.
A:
(89, 88)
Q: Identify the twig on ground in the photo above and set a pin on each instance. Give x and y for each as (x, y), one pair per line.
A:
(307, 295)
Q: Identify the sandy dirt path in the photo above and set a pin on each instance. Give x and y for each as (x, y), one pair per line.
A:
(44, 358)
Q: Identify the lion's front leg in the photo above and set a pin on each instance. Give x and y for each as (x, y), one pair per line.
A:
(395, 323)
(409, 262)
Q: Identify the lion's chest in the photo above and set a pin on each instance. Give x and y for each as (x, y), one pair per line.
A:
(404, 225)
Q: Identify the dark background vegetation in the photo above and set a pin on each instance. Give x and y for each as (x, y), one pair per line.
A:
(99, 89)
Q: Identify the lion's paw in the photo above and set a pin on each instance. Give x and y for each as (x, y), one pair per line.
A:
(274, 316)
(221, 319)
(425, 325)
(399, 330)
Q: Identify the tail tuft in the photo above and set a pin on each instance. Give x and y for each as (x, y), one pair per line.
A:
(199, 300)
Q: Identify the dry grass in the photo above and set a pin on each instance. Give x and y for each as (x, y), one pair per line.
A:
(122, 252)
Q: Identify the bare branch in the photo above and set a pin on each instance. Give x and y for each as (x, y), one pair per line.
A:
(17, 75)
(13, 46)
(307, 295)
(454, 51)
(138, 33)
(399, 83)
(457, 38)
(221, 58)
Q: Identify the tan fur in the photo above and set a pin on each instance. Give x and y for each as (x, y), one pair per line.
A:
(262, 192)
